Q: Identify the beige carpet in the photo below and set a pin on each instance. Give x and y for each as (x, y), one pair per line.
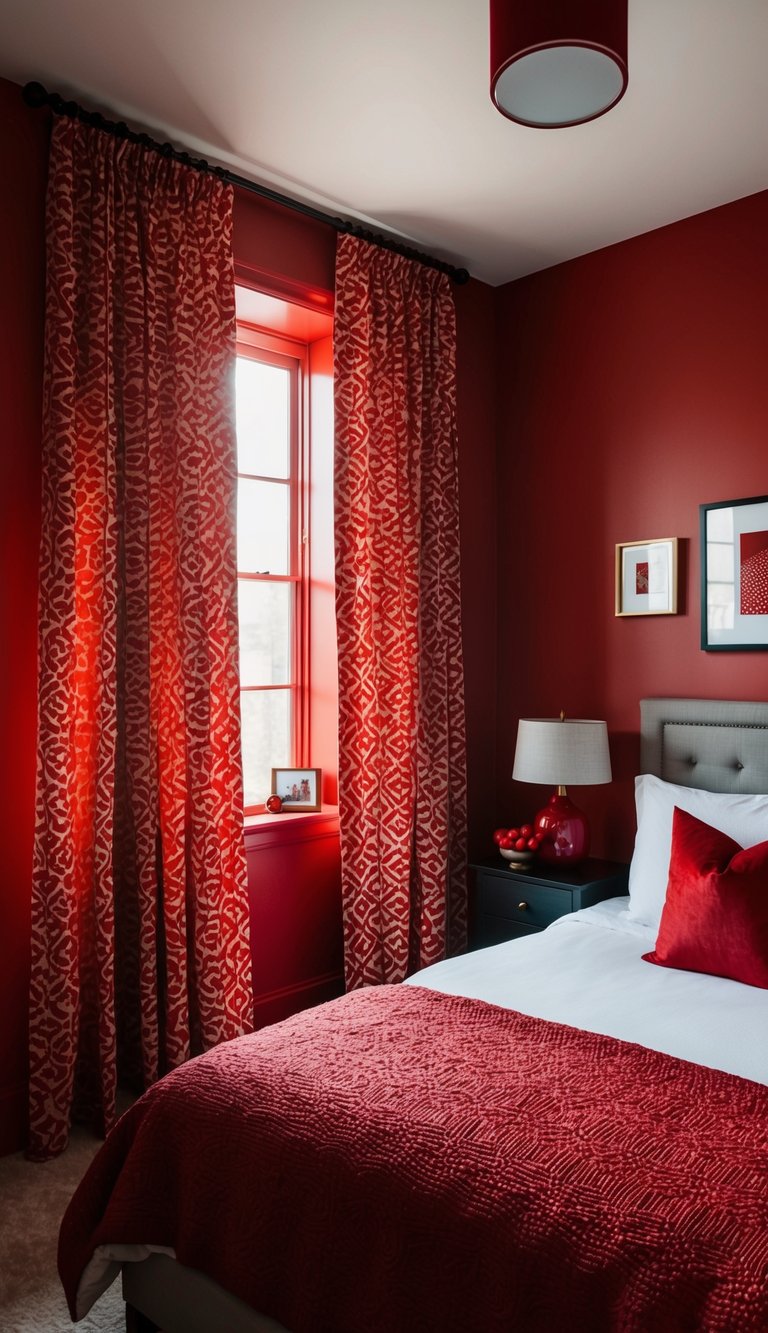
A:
(33, 1196)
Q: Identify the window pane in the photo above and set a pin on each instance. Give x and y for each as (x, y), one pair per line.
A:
(720, 562)
(720, 525)
(263, 526)
(265, 632)
(266, 733)
(263, 435)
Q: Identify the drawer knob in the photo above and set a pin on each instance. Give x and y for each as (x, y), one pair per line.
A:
(522, 907)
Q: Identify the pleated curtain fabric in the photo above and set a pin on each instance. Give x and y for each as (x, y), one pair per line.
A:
(402, 750)
(140, 949)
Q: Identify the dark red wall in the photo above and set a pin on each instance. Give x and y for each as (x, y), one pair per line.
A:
(279, 244)
(23, 158)
(632, 388)
(477, 502)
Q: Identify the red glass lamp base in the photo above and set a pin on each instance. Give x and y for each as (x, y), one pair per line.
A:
(564, 830)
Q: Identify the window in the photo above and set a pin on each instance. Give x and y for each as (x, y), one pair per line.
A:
(271, 558)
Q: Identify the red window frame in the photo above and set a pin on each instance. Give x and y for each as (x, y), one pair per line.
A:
(272, 349)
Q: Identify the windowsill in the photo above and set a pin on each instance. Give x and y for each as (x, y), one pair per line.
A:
(292, 826)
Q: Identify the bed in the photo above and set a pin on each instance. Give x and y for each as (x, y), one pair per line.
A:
(547, 1133)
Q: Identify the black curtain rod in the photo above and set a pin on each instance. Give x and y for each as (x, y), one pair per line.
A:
(35, 95)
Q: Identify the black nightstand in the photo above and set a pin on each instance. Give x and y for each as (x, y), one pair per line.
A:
(506, 903)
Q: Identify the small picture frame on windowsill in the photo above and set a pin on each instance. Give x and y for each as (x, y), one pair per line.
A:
(646, 577)
(298, 788)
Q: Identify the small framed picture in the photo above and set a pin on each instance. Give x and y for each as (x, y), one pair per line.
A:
(298, 788)
(734, 575)
(646, 578)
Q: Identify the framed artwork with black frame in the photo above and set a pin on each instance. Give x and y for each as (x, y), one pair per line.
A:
(734, 575)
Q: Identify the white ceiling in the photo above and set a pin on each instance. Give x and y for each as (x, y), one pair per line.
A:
(380, 109)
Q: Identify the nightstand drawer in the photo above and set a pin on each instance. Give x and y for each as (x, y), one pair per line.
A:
(529, 904)
(490, 930)
(507, 903)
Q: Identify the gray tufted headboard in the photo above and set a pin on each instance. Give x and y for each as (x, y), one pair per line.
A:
(717, 744)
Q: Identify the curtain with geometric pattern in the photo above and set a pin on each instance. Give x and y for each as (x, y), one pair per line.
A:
(402, 752)
(140, 951)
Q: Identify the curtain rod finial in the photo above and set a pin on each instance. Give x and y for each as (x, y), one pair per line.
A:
(34, 94)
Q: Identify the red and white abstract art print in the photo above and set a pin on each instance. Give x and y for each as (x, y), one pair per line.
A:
(753, 599)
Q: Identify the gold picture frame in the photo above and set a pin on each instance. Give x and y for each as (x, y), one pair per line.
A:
(646, 577)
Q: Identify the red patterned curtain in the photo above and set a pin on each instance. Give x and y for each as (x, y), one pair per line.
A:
(402, 769)
(140, 951)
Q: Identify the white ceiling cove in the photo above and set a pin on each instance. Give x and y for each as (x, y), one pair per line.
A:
(381, 111)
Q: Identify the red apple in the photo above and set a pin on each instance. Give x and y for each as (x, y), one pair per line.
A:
(514, 834)
(532, 844)
(507, 843)
(526, 831)
(520, 844)
(499, 834)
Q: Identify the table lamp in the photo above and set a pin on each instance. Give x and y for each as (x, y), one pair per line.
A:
(564, 752)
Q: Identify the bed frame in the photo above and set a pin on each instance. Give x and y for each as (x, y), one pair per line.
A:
(717, 745)
(160, 1293)
(714, 744)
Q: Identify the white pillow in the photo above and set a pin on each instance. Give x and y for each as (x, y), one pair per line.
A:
(743, 818)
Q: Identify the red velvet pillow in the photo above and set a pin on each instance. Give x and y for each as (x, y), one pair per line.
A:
(715, 916)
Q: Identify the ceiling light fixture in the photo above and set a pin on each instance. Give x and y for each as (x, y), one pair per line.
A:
(558, 62)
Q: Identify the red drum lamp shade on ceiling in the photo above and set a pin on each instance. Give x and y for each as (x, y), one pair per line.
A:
(558, 62)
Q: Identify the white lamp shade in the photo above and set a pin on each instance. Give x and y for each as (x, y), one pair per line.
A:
(566, 753)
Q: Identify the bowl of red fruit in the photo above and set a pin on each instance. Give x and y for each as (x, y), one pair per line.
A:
(517, 845)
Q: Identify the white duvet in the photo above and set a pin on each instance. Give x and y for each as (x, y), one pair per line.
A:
(587, 970)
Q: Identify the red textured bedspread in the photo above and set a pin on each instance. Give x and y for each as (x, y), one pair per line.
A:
(401, 1161)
